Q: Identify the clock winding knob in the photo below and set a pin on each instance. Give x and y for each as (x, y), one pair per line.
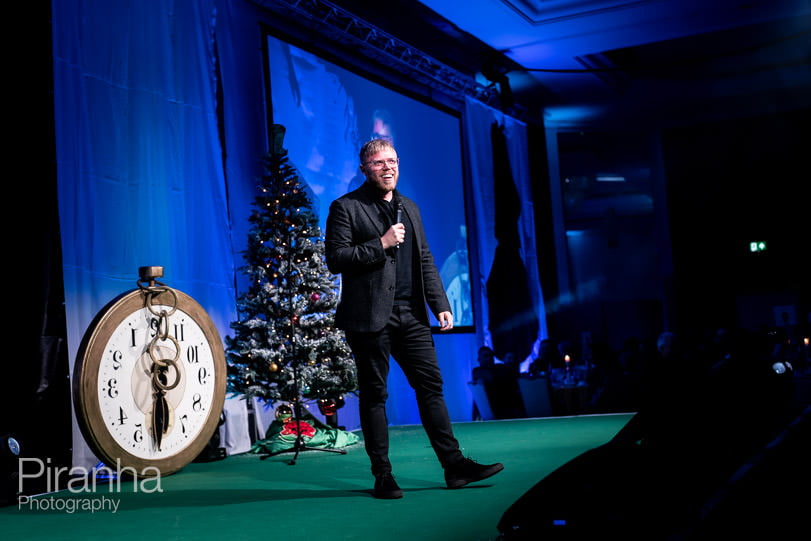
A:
(149, 274)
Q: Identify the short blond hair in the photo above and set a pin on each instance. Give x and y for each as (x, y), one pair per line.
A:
(373, 147)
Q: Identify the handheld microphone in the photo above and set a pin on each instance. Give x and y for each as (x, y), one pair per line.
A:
(399, 216)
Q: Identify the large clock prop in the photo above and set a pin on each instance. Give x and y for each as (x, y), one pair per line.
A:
(149, 379)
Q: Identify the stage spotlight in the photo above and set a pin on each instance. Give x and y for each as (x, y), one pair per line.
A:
(10, 450)
(782, 367)
(497, 74)
(11, 447)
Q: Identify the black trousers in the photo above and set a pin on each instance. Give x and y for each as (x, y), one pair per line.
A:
(411, 344)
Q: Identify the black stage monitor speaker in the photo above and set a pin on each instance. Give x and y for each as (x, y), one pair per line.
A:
(600, 494)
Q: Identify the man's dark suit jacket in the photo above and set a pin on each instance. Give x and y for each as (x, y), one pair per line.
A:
(354, 250)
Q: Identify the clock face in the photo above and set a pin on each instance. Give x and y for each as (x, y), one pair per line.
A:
(127, 398)
(118, 399)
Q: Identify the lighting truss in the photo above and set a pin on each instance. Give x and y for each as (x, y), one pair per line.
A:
(342, 25)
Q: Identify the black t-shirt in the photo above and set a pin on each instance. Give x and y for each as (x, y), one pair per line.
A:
(402, 254)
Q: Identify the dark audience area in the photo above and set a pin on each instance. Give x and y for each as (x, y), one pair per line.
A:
(716, 445)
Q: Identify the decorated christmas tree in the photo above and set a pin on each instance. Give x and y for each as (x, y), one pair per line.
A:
(286, 347)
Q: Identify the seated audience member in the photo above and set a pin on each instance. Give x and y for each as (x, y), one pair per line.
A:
(512, 364)
(611, 389)
(548, 358)
(487, 360)
(501, 384)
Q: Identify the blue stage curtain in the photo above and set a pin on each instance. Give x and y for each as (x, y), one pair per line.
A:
(479, 120)
(139, 162)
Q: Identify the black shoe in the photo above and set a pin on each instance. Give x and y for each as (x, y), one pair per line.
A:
(386, 487)
(468, 471)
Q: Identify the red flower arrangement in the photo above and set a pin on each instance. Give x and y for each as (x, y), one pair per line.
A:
(290, 429)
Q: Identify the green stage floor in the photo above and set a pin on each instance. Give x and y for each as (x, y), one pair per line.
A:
(323, 496)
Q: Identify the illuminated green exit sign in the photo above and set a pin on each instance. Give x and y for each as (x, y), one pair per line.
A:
(757, 246)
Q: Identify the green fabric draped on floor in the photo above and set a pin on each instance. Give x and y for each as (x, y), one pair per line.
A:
(281, 435)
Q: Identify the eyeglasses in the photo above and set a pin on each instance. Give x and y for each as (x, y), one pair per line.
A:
(378, 164)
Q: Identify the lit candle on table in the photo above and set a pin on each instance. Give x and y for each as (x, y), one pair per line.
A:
(568, 377)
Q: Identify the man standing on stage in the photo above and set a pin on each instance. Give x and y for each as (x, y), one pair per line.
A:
(375, 240)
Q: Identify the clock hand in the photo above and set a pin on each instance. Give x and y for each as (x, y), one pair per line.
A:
(160, 366)
(160, 408)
